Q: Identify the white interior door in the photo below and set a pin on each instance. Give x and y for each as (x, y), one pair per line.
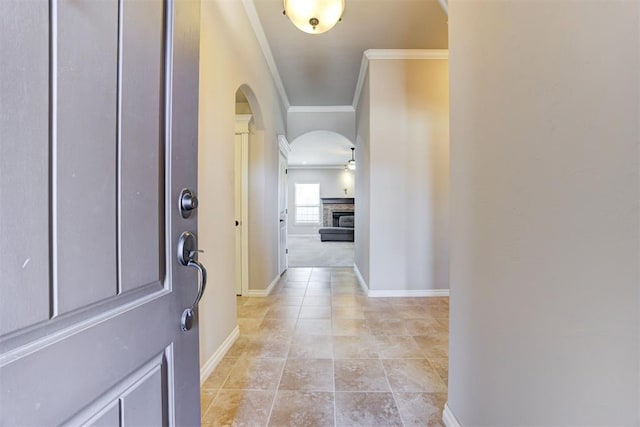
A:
(98, 127)
(238, 210)
(241, 183)
(283, 210)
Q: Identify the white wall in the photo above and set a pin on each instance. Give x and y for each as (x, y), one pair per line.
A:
(332, 184)
(243, 108)
(545, 247)
(408, 168)
(362, 177)
(263, 208)
(300, 122)
(230, 57)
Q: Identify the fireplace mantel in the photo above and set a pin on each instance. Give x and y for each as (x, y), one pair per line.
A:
(338, 200)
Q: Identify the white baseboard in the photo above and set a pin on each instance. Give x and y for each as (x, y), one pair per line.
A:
(217, 356)
(361, 281)
(448, 418)
(263, 292)
(397, 293)
(408, 293)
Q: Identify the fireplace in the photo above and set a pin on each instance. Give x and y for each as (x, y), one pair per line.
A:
(340, 205)
(336, 216)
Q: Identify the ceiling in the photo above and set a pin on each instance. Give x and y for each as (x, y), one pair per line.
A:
(323, 69)
(320, 149)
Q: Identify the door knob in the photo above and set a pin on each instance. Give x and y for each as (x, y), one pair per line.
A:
(187, 202)
(188, 256)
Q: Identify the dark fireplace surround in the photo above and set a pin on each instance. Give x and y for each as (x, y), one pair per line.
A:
(336, 216)
(335, 207)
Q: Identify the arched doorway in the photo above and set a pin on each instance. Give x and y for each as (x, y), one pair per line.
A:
(248, 119)
(322, 192)
(244, 116)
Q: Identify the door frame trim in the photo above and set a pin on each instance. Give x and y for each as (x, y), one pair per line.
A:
(284, 148)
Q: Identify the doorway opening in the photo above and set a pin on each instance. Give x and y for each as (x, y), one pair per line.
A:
(247, 120)
(283, 208)
(322, 201)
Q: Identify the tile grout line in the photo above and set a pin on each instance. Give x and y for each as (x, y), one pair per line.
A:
(333, 357)
(284, 365)
(275, 395)
(386, 376)
(203, 414)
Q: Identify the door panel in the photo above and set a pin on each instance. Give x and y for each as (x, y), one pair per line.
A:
(24, 116)
(97, 358)
(109, 417)
(137, 401)
(140, 144)
(84, 60)
(142, 403)
(94, 323)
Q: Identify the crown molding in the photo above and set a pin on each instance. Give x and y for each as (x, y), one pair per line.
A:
(252, 14)
(284, 145)
(321, 109)
(315, 166)
(444, 4)
(372, 54)
(364, 65)
(379, 54)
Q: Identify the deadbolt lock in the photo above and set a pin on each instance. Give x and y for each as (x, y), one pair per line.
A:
(187, 202)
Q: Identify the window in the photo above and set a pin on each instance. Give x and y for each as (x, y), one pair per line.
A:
(307, 203)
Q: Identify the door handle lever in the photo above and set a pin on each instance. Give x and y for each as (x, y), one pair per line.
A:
(188, 314)
(188, 256)
(193, 255)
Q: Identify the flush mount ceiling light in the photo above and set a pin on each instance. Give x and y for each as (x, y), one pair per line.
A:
(351, 164)
(314, 16)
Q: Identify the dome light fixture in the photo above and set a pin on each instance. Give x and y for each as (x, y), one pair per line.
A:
(351, 164)
(314, 16)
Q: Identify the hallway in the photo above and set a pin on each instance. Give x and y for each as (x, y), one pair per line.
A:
(318, 352)
(309, 251)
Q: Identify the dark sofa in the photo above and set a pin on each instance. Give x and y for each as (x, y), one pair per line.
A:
(342, 233)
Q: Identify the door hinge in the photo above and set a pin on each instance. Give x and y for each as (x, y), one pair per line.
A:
(286, 171)
(287, 251)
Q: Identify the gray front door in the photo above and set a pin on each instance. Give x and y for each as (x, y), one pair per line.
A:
(98, 136)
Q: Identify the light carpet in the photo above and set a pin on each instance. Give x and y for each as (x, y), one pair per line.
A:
(309, 251)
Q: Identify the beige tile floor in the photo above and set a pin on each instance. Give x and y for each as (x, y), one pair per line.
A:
(318, 352)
